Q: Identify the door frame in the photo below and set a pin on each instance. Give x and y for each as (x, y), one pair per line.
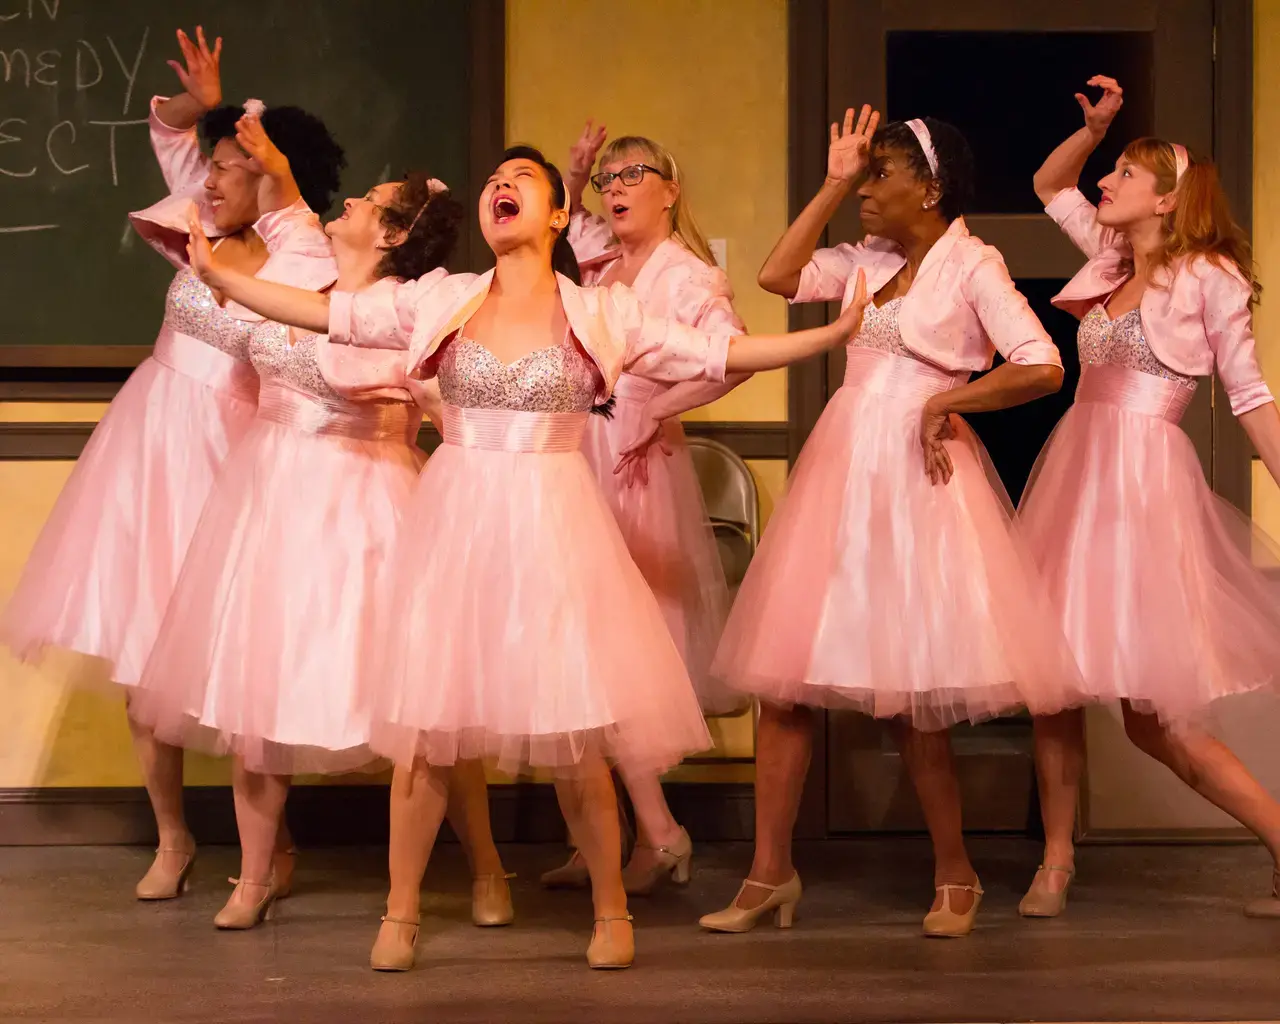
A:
(810, 31)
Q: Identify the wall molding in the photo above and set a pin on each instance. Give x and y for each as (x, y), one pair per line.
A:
(331, 815)
(45, 441)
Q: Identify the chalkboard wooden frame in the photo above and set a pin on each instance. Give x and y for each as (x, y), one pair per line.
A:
(74, 372)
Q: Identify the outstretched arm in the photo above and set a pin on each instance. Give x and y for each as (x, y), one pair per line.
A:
(294, 306)
(750, 353)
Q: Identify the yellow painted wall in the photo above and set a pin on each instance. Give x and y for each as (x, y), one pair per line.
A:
(1266, 227)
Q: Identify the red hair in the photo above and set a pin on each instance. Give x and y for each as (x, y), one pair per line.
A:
(1200, 224)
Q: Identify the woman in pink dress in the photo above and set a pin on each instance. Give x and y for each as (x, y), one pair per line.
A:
(269, 629)
(889, 581)
(649, 241)
(103, 568)
(519, 628)
(1154, 579)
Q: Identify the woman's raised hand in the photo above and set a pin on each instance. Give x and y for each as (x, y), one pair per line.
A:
(583, 153)
(254, 140)
(1098, 116)
(850, 149)
(850, 320)
(202, 75)
(203, 260)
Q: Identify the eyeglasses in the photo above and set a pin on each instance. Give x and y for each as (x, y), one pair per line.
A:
(632, 174)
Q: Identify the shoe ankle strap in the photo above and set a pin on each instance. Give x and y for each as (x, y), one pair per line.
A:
(605, 920)
(975, 888)
(764, 885)
(245, 881)
(401, 920)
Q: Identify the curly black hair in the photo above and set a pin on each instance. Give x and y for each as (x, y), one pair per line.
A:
(431, 223)
(955, 161)
(563, 261)
(315, 158)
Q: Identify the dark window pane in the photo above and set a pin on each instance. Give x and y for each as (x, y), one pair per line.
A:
(1012, 94)
(1014, 437)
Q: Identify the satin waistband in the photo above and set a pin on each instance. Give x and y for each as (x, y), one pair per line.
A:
(511, 430)
(1134, 391)
(635, 389)
(884, 373)
(212, 367)
(361, 421)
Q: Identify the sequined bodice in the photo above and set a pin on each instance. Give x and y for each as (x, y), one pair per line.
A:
(1120, 342)
(880, 330)
(295, 365)
(559, 378)
(191, 309)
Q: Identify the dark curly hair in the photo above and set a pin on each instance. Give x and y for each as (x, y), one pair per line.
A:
(563, 261)
(315, 158)
(431, 223)
(955, 161)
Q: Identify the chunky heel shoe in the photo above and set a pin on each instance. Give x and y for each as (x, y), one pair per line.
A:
(243, 916)
(161, 882)
(945, 923)
(609, 950)
(391, 950)
(491, 901)
(674, 862)
(781, 901)
(1040, 901)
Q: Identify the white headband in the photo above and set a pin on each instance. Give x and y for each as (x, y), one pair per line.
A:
(926, 143)
(1180, 161)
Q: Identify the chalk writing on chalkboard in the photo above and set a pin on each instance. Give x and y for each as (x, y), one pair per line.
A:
(50, 139)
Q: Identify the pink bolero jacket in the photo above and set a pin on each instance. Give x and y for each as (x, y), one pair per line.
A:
(1197, 316)
(673, 282)
(299, 251)
(961, 307)
(413, 319)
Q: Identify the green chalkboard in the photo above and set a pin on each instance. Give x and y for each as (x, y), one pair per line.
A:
(393, 80)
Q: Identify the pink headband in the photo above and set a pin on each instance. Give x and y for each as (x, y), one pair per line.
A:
(1180, 161)
(926, 143)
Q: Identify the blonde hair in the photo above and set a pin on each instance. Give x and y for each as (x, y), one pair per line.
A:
(683, 226)
(1200, 224)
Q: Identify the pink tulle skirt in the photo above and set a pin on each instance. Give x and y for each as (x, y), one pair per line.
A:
(519, 628)
(267, 647)
(664, 523)
(101, 572)
(875, 590)
(1156, 581)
